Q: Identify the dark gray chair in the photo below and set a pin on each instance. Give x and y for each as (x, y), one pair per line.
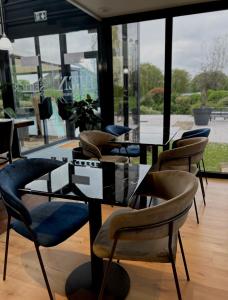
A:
(6, 140)
(48, 224)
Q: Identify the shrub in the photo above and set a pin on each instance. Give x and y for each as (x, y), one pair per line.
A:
(183, 105)
(215, 96)
(223, 103)
(145, 110)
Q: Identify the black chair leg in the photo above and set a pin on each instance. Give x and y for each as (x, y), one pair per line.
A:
(204, 171)
(202, 187)
(175, 278)
(183, 257)
(6, 248)
(196, 210)
(43, 271)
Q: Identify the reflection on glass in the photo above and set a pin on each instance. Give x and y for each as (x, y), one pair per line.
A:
(27, 92)
(83, 63)
(138, 72)
(152, 57)
(112, 183)
(51, 81)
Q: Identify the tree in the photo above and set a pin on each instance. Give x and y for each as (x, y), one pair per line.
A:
(180, 81)
(209, 80)
(215, 58)
(150, 77)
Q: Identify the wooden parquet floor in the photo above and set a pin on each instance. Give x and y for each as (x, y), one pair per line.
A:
(206, 248)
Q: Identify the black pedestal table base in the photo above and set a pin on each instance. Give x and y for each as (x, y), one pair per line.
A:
(79, 284)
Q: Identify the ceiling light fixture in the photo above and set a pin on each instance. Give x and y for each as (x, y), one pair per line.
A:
(5, 43)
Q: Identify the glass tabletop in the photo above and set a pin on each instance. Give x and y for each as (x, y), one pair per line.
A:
(152, 136)
(110, 183)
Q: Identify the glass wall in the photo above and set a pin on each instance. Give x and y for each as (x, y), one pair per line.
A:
(39, 72)
(125, 49)
(152, 61)
(82, 57)
(138, 73)
(200, 81)
(51, 82)
(27, 94)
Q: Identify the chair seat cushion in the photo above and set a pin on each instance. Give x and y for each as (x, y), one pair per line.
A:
(53, 222)
(129, 151)
(155, 250)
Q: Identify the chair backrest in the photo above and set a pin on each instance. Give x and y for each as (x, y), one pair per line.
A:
(188, 151)
(177, 189)
(117, 129)
(201, 132)
(6, 135)
(17, 175)
(92, 141)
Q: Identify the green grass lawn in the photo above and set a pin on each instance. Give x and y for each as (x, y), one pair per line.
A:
(215, 154)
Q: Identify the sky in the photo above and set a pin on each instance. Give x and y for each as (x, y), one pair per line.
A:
(192, 35)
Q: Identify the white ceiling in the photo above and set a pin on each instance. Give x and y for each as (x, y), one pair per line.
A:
(110, 8)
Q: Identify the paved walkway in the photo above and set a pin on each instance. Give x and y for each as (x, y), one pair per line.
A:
(219, 127)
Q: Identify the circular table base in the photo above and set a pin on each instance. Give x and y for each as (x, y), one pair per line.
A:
(79, 284)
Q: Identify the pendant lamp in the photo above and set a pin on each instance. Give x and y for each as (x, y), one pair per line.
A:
(5, 43)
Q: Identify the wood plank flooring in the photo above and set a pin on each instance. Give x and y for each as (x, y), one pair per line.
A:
(206, 248)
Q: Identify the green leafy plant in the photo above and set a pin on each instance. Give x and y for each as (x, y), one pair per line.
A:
(82, 113)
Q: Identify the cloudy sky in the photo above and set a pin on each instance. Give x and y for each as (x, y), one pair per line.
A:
(192, 35)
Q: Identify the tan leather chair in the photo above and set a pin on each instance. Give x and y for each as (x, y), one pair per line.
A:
(185, 157)
(150, 234)
(94, 141)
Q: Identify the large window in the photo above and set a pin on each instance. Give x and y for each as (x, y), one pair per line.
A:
(51, 82)
(200, 81)
(26, 83)
(138, 73)
(82, 57)
(152, 57)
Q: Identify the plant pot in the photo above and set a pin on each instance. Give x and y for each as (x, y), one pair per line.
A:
(202, 115)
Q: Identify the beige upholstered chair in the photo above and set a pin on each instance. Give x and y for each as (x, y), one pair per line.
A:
(94, 141)
(185, 157)
(150, 234)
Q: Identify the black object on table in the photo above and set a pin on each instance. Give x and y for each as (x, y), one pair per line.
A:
(96, 183)
(153, 138)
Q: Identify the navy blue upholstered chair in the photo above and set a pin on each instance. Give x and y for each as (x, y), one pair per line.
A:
(200, 132)
(47, 224)
(129, 151)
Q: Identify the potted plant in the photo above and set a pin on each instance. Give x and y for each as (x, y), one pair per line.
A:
(81, 113)
(201, 111)
(201, 114)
